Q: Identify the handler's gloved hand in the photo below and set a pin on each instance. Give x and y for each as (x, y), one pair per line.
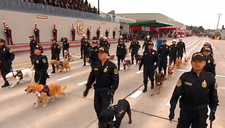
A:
(85, 92)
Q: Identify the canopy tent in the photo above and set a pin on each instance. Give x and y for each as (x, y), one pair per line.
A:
(152, 23)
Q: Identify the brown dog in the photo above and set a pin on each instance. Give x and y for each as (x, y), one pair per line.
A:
(43, 92)
(138, 58)
(60, 65)
(126, 63)
(68, 56)
(170, 70)
(186, 59)
(112, 57)
(159, 79)
(178, 63)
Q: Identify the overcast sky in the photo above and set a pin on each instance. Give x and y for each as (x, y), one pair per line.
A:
(189, 12)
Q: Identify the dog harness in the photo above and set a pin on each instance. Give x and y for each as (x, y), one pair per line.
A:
(45, 90)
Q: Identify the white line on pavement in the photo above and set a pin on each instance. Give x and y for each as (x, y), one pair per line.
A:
(64, 78)
(82, 83)
(136, 94)
(220, 76)
(139, 72)
(221, 88)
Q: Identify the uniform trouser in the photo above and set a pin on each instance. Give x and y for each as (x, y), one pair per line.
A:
(32, 58)
(133, 56)
(55, 37)
(172, 60)
(37, 39)
(148, 74)
(163, 65)
(120, 59)
(196, 118)
(4, 72)
(85, 57)
(180, 56)
(40, 77)
(101, 101)
(9, 40)
(73, 37)
(81, 52)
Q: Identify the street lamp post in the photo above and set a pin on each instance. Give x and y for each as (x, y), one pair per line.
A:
(218, 20)
(98, 8)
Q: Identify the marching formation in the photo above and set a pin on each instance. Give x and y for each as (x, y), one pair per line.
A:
(195, 90)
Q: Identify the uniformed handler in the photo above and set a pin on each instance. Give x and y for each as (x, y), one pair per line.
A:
(146, 43)
(163, 52)
(150, 61)
(197, 90)
(134, 47)
(33, 44)
(86, 50)
(66, 46)
(55, 51)
(94, 53)
(173, 52)
(181, 49)
(121, 52)
(82, 41)
(210, 63)
(40, 66)
(207, 45)
(6, 58)
(106, 77)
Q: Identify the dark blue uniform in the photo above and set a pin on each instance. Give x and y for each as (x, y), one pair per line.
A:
(172, 54)
(163, 52)
(181, 49)
(121, 52)
(134, 47)
(210, 65)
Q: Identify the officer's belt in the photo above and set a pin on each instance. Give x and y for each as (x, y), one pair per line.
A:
(195, 107)
(101, 89)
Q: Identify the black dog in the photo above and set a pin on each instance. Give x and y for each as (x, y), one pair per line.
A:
(112, 117)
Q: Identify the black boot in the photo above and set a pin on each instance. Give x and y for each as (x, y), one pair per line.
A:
(145, 89)
(6, 84)
(152, 85)
(53, 68)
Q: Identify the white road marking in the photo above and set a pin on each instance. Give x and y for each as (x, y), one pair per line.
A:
(82, 83)
(221, 88)
(168, 103)
(182, 70)
(139, 72)
(64, 78)
(75, 62)
(220, 76)
(136, 94)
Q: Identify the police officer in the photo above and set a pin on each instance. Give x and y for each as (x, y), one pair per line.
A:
(94, 53)
(8, 33)
(163, 52)
(55, 51)
(173, 52)
(210, 63)
(150, 61)
(146, 43)
(54, 32)
(106, 77)
(121, 52)
(40, 66)
(82, 41)
(105, 43)
(181, 48)
(37, 34)
(66, 46)
(207, 45)
(134, 47)
(114, 34)
(86, 51)
(106, 33)
(88, 34)
(33, 44)
(197, 90)
(73, 31)
(6, 58)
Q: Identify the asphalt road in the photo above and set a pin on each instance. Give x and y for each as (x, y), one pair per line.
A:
(74, 111)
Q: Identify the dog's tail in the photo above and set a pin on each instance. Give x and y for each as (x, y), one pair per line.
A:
(64, 88)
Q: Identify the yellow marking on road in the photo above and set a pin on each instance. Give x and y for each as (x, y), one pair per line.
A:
(219, 126)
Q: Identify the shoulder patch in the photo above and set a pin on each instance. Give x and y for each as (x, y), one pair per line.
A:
(179, 83)
(204, 84)
(44, 60)
(115, 71)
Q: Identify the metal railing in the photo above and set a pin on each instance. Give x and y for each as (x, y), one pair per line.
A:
(17, 5)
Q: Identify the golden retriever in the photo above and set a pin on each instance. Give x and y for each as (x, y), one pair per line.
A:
(170, 70)
(43, 93)
(178, 63)
(60, 65)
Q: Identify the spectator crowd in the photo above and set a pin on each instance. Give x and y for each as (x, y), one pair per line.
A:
(79, 5)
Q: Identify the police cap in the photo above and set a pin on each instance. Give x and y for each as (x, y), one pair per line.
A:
(103, 49)
(198, 56)
(150, 43)
(39, 47)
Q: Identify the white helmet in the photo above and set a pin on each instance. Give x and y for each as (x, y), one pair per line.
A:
(121, 36)
(105, 38)
(174, 41)
(101, 35)
(83, 35)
